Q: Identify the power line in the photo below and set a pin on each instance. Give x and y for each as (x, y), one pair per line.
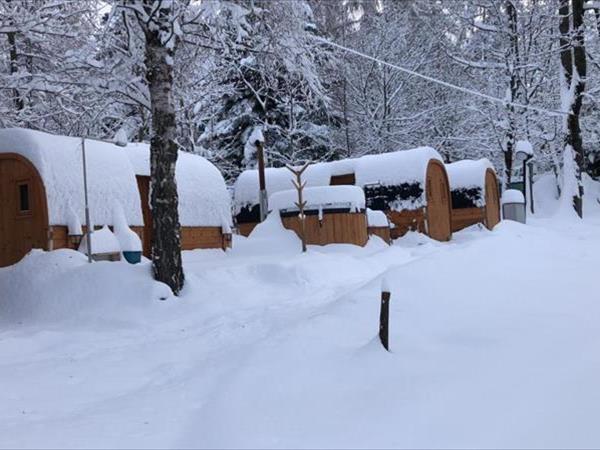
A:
(441, 82)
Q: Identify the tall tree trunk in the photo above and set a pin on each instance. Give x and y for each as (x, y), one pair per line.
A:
(512, 66)
(13, 56)
(573, 62)
(166, 239)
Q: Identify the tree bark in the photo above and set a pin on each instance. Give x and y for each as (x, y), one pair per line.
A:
(13, 56)
(573, 61)
(513, 61)
(164, 201)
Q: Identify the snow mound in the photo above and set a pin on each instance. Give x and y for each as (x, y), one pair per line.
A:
(58, 159)
(103, 241)
(61, 286)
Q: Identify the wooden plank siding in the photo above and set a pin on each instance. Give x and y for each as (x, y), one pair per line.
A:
(335, 228)
(465, 217)
(405, 221)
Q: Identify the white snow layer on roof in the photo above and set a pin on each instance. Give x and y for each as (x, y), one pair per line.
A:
(406, 166)
(320, 197)
(468, 173)
(58, 160)
(391, 169)
(203, 196)
(377, 218)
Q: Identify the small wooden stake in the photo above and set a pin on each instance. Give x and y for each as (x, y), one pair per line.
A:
(384, 320)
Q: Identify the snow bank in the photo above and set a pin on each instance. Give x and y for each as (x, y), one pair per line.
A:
(377, 218)
(320, 197)
(103, 241)
(203, 196)
(61, 286)
(58, 160)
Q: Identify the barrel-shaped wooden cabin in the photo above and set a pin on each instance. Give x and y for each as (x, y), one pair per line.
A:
(475, 193)
(42, 195)
(204, 203)
(410, 187)
(333, 214)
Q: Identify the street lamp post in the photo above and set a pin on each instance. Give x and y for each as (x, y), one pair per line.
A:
(524, 155)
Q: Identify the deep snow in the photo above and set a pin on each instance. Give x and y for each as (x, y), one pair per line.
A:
(494, 341)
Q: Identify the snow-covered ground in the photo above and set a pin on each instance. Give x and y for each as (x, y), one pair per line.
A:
(494, 340)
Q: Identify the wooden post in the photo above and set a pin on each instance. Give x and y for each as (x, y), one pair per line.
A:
(384, 319)
(262, 194)
(300, 204)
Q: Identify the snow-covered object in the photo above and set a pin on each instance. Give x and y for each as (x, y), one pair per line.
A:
(512, 196)
(524, 147)
(277, 179)
(394, 168)
(129, 241)
(377, 218)
(250, 148)
(73, 224)
(203, 197)
(320, 197)
(58, 160)
(469, 174)
(103, 241)
(385, 169)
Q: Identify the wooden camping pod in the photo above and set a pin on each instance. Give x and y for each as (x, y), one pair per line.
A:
(192, 237)
(476, 197)
(41, 194)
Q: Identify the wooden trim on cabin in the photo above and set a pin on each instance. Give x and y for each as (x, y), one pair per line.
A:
(246, 228)
(405, 221)
(492, 199)
(438, 212)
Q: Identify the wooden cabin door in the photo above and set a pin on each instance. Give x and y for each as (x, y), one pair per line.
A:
(144, 188)
(492, 200)
(23, 217)
(439, 225)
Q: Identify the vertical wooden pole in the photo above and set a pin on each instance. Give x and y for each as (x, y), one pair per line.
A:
(262, 195)
(384, 319)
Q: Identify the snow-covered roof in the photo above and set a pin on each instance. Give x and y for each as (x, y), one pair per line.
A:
(203, 196)
(388, 169)
(394, 168)
(377, 218)
(58, 160)
(468, 173)
(320, 197)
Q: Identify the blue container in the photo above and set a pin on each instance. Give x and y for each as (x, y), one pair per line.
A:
(133, 257)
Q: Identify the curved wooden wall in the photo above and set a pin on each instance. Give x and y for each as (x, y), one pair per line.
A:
(21, 231)
(492, 199)
(439, 202)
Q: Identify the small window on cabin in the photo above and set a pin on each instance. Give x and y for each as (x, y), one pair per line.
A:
(24, 200)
